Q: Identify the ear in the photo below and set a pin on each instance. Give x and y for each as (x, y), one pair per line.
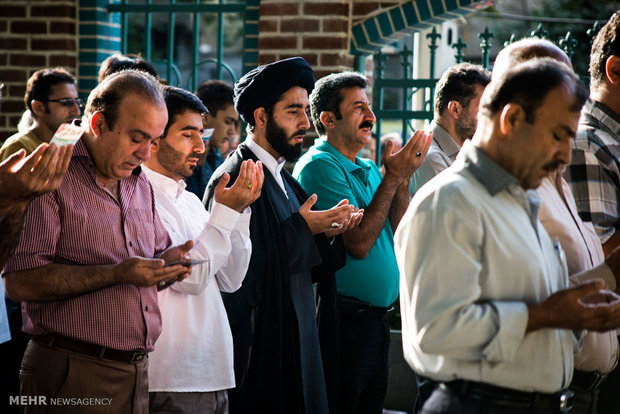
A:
(612, 69)
(208, 118)
(454, 109)
(260, 117)
(155, 145)
(510, 118)
(328, 119)
(38, 107)
(98, 123)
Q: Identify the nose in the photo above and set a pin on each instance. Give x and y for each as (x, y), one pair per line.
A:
(144, 150)
(305, 122)
(75, 109)
(199, 145)
(370, 115)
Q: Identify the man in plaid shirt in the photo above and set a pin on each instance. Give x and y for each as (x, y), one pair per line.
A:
(594, 172)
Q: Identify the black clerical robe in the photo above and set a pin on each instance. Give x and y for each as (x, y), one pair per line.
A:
(278, 367)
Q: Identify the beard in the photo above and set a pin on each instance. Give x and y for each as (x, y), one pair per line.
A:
(276, 136)
(175, 161)
(465, 128)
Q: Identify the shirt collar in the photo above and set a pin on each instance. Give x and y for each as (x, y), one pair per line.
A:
(490, 174)
(274, 166)
(359, 168)
(444, 140)
(602, 115)
(171, 188)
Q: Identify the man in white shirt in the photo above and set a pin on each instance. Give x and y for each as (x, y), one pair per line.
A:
(192, 365)
(485, 302)
(456, 101)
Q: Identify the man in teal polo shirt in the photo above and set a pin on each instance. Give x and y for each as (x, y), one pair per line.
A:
(368, 284)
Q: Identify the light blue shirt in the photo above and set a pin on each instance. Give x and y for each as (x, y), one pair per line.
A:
(5, 333)
(325, 171)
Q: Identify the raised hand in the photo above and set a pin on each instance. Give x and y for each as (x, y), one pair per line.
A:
(24, 178)
(246, 188)
(325, 220)
(586, 306)
(347, 224)
(404, 163)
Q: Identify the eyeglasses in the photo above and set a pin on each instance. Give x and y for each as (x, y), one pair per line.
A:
(68, 102)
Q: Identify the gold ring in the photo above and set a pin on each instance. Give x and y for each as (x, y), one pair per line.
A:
(250, 186)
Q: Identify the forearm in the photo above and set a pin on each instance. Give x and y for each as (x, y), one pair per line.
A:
(11, 221)
(399, 205)
(57, 281)
(359, 240)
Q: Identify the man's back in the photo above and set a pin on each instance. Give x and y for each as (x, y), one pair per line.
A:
(26, 140)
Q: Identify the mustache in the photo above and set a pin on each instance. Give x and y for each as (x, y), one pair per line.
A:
(193, 155)
(552, 166)
(299, 132)
(366, 124)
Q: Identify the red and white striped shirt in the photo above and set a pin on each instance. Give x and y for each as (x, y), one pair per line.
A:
(82, 224)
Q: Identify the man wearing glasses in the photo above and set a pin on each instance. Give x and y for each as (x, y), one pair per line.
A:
(52, 99)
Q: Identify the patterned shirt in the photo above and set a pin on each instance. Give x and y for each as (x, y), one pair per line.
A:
(594, 171)
(81, 223)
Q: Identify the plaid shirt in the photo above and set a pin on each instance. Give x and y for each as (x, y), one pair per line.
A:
(594, 171)
(81, 224)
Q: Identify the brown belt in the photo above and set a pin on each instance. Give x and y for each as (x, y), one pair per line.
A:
(85, 348)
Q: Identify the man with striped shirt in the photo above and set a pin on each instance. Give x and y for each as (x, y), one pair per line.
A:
(90, 257)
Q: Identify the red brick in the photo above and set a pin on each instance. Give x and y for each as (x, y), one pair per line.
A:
(28, 27)
(324, 43)
(14, 120)
(318, 74)
(15, 106)
(63, 28)
(3, 26)
(265, 58)
(267, 26)
(326, 9)
(4, 59)
(299, 25)
(27, 60)
(13, 75)
(53, 44)
(311, 58)
(277, 42)
(283, 9)
(53, 11)
(63, 60)
(330, 59)
(17, 89)
(13, 11)
(4, 135)
(335, 25)
(13, 43)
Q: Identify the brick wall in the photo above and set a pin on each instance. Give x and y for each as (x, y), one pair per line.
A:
(318, 30)
(33, 34)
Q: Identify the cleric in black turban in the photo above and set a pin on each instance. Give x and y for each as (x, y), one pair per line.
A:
(264, 85)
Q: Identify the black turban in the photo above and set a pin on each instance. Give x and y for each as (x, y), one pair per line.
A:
(264, 84)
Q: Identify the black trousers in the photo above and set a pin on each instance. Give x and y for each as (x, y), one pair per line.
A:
(364, 364)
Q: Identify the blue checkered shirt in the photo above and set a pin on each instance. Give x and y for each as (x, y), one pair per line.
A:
(594, 171)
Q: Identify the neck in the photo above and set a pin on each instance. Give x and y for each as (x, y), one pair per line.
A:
(448, 125)
(348, 151)
(42, 131)
(259, 137)
(608, 96)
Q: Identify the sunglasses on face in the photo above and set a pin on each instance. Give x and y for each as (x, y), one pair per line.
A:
(68, 102)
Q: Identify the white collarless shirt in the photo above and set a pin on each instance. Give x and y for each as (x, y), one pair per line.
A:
(273, 166)
(195, 350)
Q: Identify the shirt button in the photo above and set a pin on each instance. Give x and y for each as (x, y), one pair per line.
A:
(130, 244)
(146, 308)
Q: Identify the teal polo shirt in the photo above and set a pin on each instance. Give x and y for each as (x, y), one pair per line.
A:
(325, 171)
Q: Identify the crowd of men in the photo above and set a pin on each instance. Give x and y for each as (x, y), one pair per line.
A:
(154, 265)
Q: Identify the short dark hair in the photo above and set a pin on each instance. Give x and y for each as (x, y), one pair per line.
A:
(606, 44)
(527, 84)
(118, 62)
(327, 95)
(107, 96)
(458, 83)
(178, 101)
(40, 84)
(216, 95)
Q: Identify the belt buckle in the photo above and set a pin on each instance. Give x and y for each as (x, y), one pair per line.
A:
(137, 356)
(566, 401)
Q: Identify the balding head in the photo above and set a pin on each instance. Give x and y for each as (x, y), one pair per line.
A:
(527, 49)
